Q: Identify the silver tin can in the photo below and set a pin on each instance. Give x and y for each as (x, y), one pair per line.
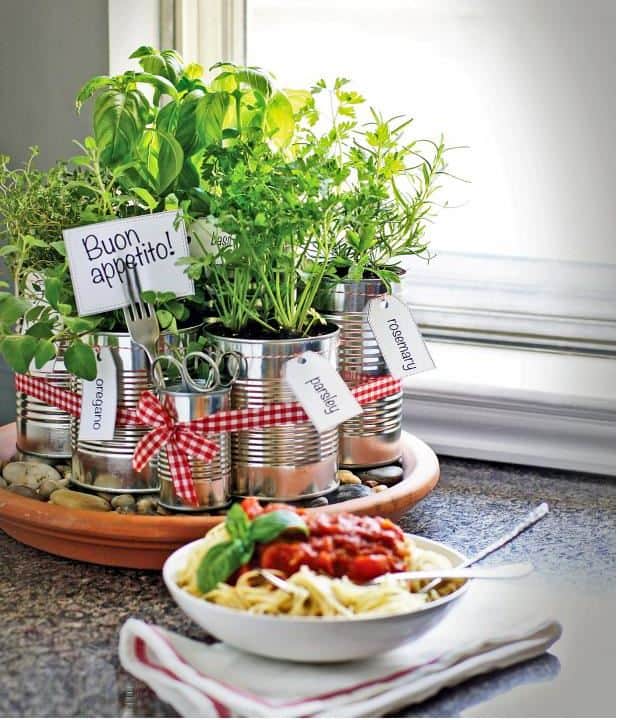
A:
(106, 466)
(44, 431)
(283, 462)
(213, 479)
(373, 438)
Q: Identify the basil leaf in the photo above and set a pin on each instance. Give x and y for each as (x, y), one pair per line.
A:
(237, 523)
(269, 526)
(170, 160)
(218, 564)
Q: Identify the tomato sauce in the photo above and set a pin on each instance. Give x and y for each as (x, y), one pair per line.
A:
(339, 544)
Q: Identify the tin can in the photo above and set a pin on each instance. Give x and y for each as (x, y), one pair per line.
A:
(106, 466)
(44, 431)
(212, 479)
(373, 438)
(283, 462)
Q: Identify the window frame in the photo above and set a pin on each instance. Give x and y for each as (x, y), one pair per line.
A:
(497, 306)
(503, 310)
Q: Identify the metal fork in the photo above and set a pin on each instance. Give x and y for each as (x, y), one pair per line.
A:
(141, 319)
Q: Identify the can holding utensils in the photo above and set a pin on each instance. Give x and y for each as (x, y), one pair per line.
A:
(192, 399)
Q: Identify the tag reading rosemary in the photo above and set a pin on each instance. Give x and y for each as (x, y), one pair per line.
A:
(321, 391)
(98, 412)
(399, 338)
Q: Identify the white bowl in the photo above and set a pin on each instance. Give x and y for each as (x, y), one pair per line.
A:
(310, 639)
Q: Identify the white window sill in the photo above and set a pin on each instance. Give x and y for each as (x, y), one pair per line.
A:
(534, 408)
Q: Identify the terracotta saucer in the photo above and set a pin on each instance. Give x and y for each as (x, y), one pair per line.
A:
(146, 541)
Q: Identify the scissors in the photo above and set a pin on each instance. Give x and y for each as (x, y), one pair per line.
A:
(226, 364)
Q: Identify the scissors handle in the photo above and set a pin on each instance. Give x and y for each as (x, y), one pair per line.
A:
(213, 379)
(223, 360)
(158, 374)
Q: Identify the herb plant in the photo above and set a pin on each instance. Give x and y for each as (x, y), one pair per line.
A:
(385, 184)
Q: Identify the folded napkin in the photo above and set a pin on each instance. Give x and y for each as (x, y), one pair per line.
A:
(495, 624)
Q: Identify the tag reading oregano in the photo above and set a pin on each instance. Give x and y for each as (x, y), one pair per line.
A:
(99, 398)
(398, 337)
(321, 391)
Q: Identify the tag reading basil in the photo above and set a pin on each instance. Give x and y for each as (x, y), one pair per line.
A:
(321, 391)
(99, 396)
(398, 337)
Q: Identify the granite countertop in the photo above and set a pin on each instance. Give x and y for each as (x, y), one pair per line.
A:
(59, 619)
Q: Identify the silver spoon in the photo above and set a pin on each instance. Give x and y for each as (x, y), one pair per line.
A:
(495, 572)
(533, 517)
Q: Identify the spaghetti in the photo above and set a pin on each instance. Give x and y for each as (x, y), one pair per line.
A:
(313, 594)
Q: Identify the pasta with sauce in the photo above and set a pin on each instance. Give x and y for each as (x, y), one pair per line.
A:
(315, 594)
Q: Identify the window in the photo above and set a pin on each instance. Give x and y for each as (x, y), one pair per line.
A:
(526, 254)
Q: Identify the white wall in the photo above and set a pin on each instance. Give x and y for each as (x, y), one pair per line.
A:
(48, 49)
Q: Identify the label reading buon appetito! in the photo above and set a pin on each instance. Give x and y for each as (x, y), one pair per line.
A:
(398, 337)
(97, 420)
(101, 255)
(321, 391)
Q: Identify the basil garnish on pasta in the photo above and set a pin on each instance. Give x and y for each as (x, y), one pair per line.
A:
(269, 526)
(223, 559)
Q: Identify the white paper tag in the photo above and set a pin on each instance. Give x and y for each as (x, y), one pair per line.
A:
(398, 337)
(205, 237)
(99, 398)
(101, 255)
(321, 391)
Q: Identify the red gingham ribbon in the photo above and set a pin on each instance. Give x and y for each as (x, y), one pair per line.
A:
(180, 441)
(186, 438)
(66, 400)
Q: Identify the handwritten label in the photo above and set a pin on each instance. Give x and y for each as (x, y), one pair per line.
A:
(101, 255)
(398, 337)
(206, 238)
(321, 391)
(98, 412)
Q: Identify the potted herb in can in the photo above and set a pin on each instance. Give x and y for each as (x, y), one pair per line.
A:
(36, 329)
(263, 191)
(385, 185)
(131, 166)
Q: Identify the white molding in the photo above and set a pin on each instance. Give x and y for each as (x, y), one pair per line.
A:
(208, 31)
(517, 427)
(131, 24)
(521, 302)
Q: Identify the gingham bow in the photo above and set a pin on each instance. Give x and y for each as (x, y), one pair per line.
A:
(180, 441)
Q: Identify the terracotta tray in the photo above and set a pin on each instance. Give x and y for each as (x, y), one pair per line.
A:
(145, 542)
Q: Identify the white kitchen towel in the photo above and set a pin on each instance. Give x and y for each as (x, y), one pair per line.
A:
(494, 625)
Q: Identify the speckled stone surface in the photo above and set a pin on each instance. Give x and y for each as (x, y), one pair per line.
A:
(59, 619)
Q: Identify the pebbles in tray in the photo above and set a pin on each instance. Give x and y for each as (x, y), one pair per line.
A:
(388, 475)
(49, 483)
(52, 483)
(362, 483)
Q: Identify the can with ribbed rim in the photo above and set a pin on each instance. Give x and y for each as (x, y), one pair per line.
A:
(283, 462)
(373, 438)
(212, 479)
(44, 431)
(106, 466)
